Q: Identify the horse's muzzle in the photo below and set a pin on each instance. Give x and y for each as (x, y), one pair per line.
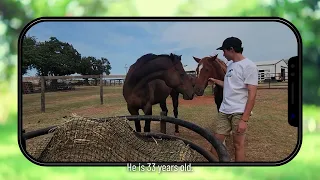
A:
(199, 92)
(187, 96)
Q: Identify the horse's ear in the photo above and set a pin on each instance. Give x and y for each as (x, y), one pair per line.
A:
(171, 57)
(196, 59)
(213, 58)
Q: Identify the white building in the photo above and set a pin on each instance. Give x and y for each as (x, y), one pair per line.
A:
(190, 70)
(274, 70)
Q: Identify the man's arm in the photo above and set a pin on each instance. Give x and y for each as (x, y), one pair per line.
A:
(218, 82)
(251, 80)
(252, 92)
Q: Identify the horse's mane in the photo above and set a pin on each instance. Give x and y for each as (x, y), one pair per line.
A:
(149, 57)
(221, 63)
(135, 72)
(145, 58)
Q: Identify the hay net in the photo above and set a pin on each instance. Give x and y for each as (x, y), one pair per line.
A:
(110, 140)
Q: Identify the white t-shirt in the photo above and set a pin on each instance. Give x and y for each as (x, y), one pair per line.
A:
(235, 92)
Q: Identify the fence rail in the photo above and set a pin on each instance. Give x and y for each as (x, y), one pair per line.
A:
(43, 84)
(50, 83)
(272, 80)
(73, 77)
(272, 76)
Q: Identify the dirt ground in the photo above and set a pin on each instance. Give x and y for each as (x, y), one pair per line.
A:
(269, 137)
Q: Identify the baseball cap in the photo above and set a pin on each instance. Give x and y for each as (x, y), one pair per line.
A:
(231, 42)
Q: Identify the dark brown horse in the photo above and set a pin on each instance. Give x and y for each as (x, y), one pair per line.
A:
(166, 91)
(210, 67)
(139, 93)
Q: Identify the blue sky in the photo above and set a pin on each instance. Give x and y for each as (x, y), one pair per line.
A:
(124, 42)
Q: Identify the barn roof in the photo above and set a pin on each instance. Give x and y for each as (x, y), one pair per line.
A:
(272, 62)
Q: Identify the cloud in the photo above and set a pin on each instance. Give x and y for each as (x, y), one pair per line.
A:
(146, 26)
(153, 28)
(43, 35)
(261, 40)
(89, 50)
(118, 39)
(124, 42)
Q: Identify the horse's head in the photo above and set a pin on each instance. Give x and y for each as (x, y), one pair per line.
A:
(192, 79)
(177, 78)
(208, 67)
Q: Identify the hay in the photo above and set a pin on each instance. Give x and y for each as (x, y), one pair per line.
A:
(35, 146)
(86, 140)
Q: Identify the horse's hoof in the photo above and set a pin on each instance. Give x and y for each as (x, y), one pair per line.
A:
(176, 133)
(163, 114)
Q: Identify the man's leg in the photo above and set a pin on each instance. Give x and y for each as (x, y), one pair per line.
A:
(222, 127)
(238, 139)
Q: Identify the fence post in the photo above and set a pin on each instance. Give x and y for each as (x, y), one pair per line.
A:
(101, 89)
(43, 93)
(269, 82)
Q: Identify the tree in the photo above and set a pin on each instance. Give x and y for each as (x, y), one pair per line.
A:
(85, 67)
(101, 66)
(93, 66)
(304, 16)
(56, 58)
(28, 53)
(308, 24)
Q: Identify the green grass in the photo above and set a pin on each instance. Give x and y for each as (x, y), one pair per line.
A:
(311, 111)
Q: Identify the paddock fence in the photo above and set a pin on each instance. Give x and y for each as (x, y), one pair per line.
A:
(47, 84)
(273, 80)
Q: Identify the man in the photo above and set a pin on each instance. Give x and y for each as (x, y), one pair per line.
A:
(239, 94)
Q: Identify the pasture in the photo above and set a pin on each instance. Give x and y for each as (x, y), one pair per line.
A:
(269, 138)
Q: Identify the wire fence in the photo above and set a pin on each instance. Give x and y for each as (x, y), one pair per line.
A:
(273, 80)
(45, 84)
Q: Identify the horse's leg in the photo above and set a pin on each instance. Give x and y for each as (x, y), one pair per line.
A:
(164, 109)
(218, 96)
(135, 111)
(147, 111)
(218, 104)
(164, 112)
(175, 103)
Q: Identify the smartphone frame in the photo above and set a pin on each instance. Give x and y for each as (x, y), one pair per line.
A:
(295, 106)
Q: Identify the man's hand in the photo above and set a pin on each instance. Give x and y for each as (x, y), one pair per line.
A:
(252, 93)
(211, 81)
(216, 81)
(242, 126)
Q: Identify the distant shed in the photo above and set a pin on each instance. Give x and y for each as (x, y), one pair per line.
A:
(190, 70)
(274, 70)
